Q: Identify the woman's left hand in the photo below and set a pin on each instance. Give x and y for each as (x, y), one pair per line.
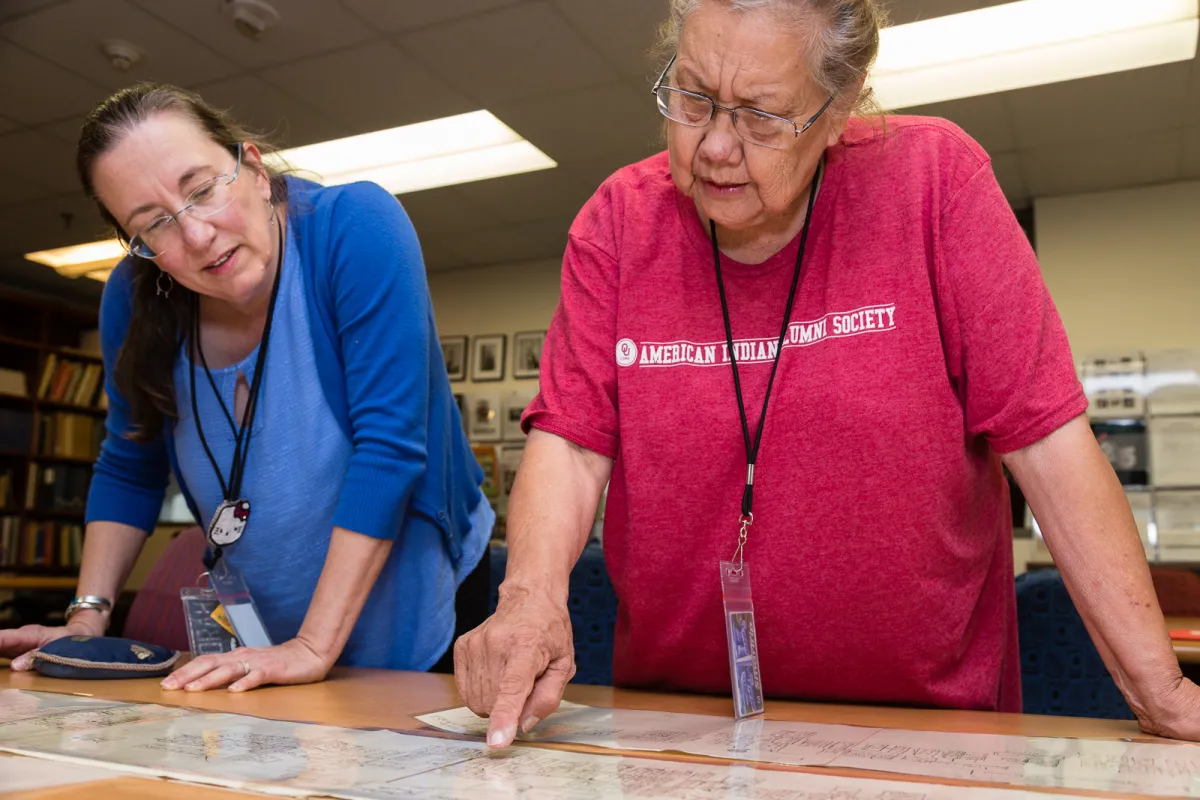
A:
(1176, 715)
(247, 668)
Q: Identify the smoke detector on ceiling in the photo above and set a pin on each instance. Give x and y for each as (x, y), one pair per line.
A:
(252, 18)
(121, 55)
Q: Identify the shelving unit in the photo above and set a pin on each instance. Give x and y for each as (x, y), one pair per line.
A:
(1126, 405)
(34, 333)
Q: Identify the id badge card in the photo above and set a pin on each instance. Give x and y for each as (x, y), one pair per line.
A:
(230, 585)
(742, 640)
(208, 626)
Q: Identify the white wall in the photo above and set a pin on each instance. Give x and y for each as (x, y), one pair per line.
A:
(1123, 267)
(503, 299)
(506, 299)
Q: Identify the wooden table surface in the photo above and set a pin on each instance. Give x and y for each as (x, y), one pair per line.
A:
(363, 698)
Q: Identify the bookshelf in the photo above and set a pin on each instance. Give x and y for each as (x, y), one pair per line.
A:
(52, 409)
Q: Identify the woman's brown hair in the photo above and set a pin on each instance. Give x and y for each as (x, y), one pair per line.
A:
(158, 326)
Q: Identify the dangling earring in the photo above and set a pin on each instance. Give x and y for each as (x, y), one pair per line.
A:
(158, 284)
(274, 220)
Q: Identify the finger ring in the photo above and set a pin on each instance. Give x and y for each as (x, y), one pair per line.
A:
(246, 667)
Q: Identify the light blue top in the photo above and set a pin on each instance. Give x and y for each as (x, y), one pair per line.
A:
(356, 427)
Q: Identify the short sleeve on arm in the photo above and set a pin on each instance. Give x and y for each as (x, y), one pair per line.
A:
(578, 393)
(1005, 343)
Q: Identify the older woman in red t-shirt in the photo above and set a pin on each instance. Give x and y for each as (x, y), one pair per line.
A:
(849, 323)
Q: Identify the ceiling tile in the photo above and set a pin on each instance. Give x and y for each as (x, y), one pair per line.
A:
(587, 123)
(36, 90)
(391, 16)
(347, 87)
(528, 241)
(594, 171)
(1130, 102)
(39, 159)
(438, 254)
(1102, 164)
(66, 130)
(901, 12)
(624, 31)
(306, 27)
(52, 222)
(510, 54)
(444, 211)
(283, 119)
(16, 8)
(986, 119)
(17, 190)
(550, 193)
(1007, 167)
(1191, 153)
(71, 34)
(7, 125)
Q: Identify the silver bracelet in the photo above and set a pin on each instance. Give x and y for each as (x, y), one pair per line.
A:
(94, 602)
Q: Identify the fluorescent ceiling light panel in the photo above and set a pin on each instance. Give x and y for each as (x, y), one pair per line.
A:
(94, 259)
(1029, 43)
(441, 152)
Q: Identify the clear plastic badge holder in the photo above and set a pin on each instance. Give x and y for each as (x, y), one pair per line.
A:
(209, 631)
(742, 640)
(235, 598)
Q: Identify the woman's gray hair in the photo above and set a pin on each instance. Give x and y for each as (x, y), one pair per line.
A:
(843, 38)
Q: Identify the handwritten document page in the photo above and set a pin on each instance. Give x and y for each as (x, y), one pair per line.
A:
(300, 760)
(1169, 769)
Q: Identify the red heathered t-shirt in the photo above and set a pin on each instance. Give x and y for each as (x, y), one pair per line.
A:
(923, 343)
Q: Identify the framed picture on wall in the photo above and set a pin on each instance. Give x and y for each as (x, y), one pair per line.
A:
(511, 409)
(487, 361)
(510, 460)
(464, 412)
(527, 353)
(483, 422)
(454, 353)
(487, 457)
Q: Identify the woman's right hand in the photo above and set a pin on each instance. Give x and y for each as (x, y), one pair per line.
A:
(514, 667)
(19, 643)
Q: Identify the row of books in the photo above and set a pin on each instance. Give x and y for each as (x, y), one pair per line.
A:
(40, 544)
(70, 435)
(7, 479)
(74, 382)
(57, 487)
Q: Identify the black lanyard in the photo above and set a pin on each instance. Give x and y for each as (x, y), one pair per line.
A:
(241, 447)
(752, 446)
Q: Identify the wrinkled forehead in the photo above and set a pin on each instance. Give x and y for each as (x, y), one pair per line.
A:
(759, 56)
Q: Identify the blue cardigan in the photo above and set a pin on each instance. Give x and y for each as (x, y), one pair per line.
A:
(380, 368)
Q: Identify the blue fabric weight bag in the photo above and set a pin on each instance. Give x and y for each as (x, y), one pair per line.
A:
(97, 657)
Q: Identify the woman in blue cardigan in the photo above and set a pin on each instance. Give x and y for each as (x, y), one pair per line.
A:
(271, 342)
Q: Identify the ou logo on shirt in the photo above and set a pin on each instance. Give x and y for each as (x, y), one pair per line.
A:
(627, 352)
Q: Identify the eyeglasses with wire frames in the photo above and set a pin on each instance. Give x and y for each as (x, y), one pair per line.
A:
(206, 200)
(753, 125)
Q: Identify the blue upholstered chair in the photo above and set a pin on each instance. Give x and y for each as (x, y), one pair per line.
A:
(1061, 672)
(593, 608)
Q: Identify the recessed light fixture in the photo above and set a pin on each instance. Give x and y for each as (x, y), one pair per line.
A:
(82, 260)
(425, 155)
(1029, 43)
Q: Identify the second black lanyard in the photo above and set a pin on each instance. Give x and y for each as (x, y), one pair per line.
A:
(752, 445)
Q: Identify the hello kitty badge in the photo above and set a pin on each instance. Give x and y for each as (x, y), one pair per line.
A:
(229, 522)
